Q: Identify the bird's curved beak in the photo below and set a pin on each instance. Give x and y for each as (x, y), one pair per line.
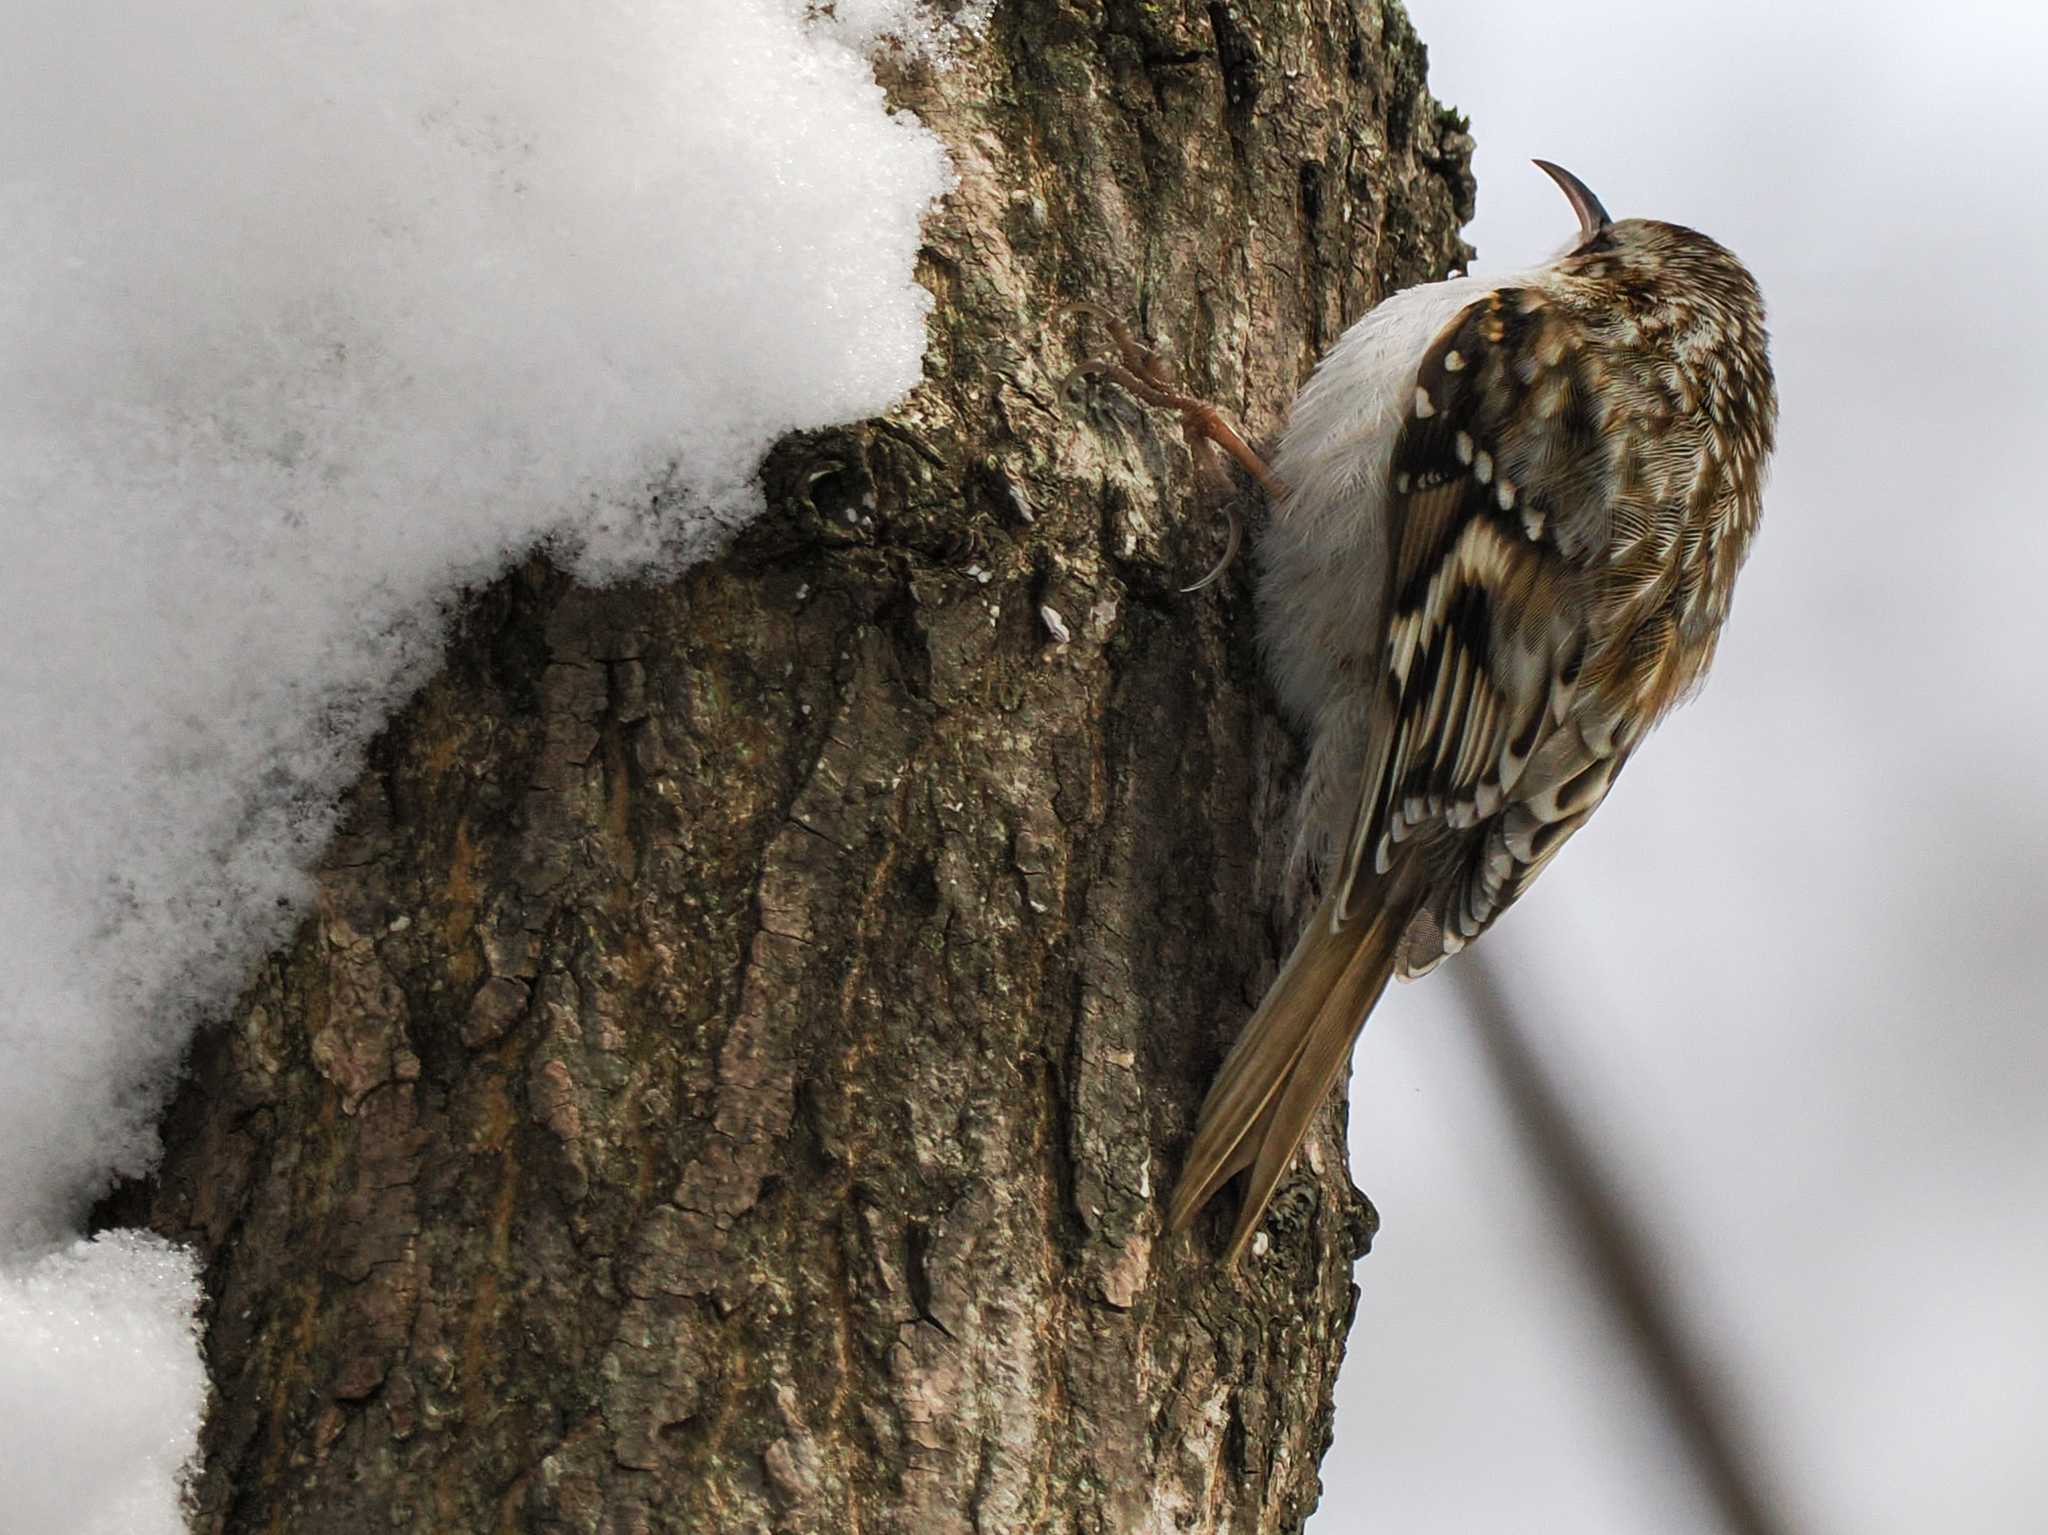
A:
(1592, 217)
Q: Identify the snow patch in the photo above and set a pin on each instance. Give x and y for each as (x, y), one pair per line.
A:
(100, 1387)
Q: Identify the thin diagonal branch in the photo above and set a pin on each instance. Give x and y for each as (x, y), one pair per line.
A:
(1618, 1254)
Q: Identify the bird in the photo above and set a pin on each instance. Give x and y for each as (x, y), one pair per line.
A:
(1507, 518)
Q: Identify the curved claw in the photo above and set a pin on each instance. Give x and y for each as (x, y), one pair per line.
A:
(1110, 321)
(1230, 549)
(1146, 373)
(1082, 370)
(1139, 387)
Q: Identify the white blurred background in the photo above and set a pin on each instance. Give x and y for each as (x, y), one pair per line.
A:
(1790, 977)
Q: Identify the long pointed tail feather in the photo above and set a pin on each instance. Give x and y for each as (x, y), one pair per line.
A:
(1276, 1076)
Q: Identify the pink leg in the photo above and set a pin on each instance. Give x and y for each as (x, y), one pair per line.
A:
(1144, 373)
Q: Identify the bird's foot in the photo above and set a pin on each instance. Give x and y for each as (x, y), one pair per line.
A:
(1142, 372)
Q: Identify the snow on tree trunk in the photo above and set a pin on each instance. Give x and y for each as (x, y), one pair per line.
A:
(747, 1026)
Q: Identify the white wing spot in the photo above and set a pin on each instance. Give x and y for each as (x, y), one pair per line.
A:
(1402, 482)
(1423, 408)
(1504, 492)
(1454, 361)
(1532, 521)
(1483, 466)
(1464, 445)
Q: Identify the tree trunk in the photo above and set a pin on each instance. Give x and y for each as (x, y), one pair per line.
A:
(731, 1070)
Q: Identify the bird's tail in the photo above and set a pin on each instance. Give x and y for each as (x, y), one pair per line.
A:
(1282, 1066)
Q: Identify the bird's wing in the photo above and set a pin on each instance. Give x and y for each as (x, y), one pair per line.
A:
(1487, 613)
(1479, 764)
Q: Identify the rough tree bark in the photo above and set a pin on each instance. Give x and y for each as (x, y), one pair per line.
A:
(729, 1076)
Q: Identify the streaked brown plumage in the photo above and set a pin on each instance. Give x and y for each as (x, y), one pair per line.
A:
(1510, 520)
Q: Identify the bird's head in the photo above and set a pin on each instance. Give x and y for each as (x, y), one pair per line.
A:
(1648, 261)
